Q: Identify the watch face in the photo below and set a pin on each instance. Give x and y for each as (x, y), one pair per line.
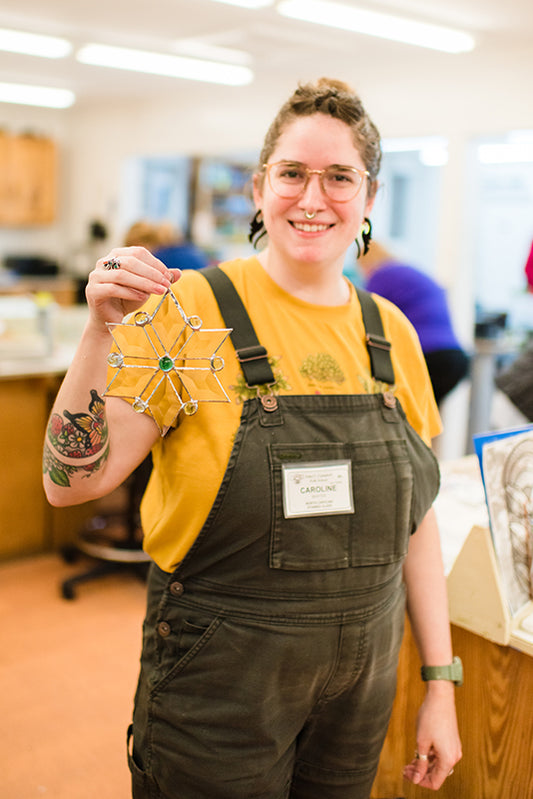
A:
(457, 671)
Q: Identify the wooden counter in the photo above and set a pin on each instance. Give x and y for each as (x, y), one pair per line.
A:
(494, 708)
(63, 290)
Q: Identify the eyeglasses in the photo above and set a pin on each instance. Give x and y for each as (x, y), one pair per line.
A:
(339, 183)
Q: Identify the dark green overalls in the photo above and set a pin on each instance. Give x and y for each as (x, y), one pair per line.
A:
(269, 656)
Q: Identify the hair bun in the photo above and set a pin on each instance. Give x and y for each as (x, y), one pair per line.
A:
(335, 86)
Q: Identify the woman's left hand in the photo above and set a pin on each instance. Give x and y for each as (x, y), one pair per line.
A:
(438, 746)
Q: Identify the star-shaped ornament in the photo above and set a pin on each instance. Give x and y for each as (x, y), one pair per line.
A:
(165, 362)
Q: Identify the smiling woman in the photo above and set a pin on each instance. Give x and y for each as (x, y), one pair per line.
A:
(319, 162)
(316, 190)
(288, 526)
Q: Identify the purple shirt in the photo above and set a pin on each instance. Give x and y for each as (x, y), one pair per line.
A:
(421, 299)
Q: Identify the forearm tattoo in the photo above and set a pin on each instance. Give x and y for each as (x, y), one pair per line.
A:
(76, 442)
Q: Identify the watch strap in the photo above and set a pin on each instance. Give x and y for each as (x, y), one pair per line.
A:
(453, 672)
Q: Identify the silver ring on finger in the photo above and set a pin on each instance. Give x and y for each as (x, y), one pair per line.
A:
(112, 263)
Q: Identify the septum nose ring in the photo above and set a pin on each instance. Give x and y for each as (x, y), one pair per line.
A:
(310, 216)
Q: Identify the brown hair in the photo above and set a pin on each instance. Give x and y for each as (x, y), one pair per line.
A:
(151, 235)
(336, 99)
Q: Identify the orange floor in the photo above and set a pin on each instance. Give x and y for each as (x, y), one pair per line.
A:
(68, 671)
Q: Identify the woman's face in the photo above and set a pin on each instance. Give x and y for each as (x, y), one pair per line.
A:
(317, 141)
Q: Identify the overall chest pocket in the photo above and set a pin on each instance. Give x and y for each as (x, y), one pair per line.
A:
(376, 532)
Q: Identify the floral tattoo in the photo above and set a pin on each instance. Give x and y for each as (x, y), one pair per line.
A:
(76, 436)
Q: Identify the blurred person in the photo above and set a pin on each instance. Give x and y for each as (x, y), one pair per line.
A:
(424, 303)
(167, 243)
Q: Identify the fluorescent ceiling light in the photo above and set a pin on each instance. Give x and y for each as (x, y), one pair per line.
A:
(161, 64)
(246, 3)
(43, 96)
(195, 48)
(33, 44)
(385, 26)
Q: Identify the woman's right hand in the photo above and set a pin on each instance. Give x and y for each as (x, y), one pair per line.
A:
(114, 291)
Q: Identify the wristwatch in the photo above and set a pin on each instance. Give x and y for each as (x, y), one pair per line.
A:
(452, 672)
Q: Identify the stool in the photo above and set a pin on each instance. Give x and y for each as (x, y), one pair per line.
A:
(113, 539)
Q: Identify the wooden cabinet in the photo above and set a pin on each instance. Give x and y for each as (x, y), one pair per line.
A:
(28, 524)
(28, 180)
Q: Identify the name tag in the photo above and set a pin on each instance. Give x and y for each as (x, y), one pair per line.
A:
(317, 489)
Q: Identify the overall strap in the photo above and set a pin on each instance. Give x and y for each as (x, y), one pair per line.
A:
(377, 345)
(252, 356)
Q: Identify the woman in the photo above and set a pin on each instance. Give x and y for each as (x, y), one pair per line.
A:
(285, 530)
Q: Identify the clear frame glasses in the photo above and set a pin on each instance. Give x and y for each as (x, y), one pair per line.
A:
(289, 179)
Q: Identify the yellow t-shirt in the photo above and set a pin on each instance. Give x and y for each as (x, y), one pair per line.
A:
(314, 349)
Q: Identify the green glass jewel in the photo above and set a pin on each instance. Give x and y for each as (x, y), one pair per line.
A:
(115, 359)
(166, 363)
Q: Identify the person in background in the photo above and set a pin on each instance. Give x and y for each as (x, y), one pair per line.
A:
(424, 303)
(291, 527)
(166, 243)
(528, 269)
(516, 380)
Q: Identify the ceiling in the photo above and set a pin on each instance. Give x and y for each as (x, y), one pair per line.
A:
(282, 50)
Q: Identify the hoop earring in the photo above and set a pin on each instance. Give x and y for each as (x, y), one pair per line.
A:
(257, 228)
(366, 235)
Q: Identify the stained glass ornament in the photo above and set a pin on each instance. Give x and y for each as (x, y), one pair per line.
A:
(165, 362)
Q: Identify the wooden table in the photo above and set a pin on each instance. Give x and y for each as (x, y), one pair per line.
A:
(495, 712)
